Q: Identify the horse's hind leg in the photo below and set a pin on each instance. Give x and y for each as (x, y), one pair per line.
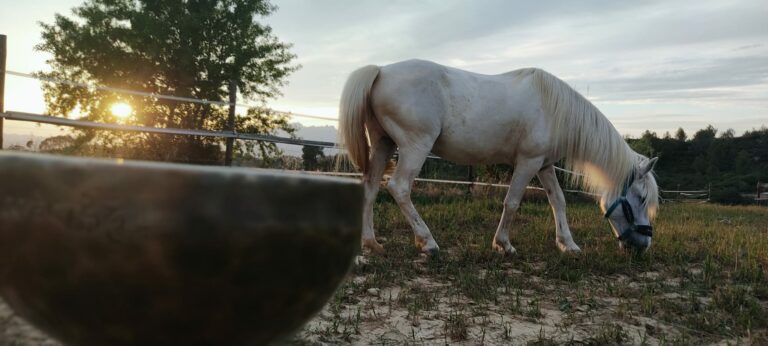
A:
(525, 169)
(548, 179)
(382, 149)
(400, 184)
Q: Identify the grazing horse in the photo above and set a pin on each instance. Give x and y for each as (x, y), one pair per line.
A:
(527, 118)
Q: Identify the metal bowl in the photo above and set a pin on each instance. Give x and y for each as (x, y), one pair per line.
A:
(100, 252)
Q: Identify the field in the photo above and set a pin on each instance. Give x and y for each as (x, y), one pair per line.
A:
(704, 281)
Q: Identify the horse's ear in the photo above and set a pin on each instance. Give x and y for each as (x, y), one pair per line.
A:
(648, 166)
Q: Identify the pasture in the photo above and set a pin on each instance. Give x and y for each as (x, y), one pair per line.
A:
(704, 281)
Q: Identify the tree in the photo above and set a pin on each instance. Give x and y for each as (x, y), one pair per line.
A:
(184, 48)
(700, 164)
(311, 156)
(729, 133)
(702, 139)
(680, 134)
(645, 144)
(642, 146)
(743, 162)
(56, 144)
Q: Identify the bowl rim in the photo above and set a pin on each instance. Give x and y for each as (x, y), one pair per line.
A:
(63, 160)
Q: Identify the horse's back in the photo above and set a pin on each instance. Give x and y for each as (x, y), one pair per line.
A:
(469, 117)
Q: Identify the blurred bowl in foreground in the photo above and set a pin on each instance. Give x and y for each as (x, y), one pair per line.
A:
(100, 252)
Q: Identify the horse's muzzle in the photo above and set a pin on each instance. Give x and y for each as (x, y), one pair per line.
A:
(637, 239)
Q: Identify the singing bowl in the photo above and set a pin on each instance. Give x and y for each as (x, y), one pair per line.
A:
(100, 252)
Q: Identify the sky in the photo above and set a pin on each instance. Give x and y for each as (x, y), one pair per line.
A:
(655, 65)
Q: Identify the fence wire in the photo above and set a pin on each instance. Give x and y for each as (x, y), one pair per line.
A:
(157, 96)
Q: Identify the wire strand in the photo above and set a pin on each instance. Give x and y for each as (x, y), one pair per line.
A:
(157, 96)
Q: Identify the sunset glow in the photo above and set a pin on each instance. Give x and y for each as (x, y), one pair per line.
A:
(121, 110)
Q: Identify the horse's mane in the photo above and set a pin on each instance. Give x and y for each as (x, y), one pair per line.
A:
(584, 137)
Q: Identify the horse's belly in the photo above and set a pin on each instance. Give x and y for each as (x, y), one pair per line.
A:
(480, 148)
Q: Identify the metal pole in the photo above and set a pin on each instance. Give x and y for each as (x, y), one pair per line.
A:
(3, 54)
(230, 122)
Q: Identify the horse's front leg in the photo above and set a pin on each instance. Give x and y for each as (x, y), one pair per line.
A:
(525, 169)
(548, 180)
(399, 186)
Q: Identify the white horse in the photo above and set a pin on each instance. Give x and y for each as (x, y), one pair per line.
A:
(527, 118)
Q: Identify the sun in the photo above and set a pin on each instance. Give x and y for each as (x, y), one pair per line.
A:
(121, 110)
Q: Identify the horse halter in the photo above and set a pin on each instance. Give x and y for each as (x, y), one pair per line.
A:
(646, 230)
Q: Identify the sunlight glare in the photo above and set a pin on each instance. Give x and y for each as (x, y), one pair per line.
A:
(121, 110)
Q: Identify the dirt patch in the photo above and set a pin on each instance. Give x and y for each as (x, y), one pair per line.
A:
(17, 332)
(430, 311)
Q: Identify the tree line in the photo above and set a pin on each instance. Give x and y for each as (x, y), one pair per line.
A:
(731, 164)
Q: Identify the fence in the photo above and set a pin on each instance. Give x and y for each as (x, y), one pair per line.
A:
(682, 196)
(761, 194)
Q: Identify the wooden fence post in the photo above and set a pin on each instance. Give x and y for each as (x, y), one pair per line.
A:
(3, 54)
(231, 122)
(470, 179)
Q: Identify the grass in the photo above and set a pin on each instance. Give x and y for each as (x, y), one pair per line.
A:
(705, 278)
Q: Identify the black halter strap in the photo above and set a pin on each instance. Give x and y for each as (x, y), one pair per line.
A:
(626, 208)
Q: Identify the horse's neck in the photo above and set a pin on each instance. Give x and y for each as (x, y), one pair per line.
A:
(602, 176)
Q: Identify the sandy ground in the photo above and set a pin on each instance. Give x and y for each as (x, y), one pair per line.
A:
(17, 332)
(386, 316)
(380, 318)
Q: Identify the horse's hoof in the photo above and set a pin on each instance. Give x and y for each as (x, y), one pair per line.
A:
(504, 249)
(432, 253)
(373, 246)
(568, 248)
(427, 246)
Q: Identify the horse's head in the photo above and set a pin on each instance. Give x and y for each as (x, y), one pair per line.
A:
(631, 207)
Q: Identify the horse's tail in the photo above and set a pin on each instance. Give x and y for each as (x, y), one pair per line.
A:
(354, 111)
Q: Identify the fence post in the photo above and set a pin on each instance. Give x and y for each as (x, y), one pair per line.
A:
(3, 54)
(470, 179)
(231, 122)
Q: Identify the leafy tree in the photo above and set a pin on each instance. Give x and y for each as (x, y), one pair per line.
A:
(702, 139)
(729, 133)
(311, 156)
(680, 135)
(56, 144)
(184, 48)
(700, 164)
(642, 146)
(743, 161)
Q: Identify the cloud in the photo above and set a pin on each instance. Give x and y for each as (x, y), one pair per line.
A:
(657, 54)
(749, 46)
(717, 78)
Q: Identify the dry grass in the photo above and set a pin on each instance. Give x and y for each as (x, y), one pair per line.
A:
(703, 281)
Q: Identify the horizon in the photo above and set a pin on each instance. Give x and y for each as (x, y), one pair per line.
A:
(644, 66)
